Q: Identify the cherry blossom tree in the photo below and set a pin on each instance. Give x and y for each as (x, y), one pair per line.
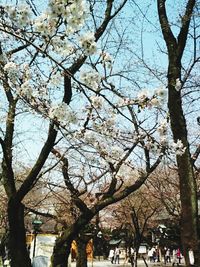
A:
(177, 79)
(93, 128)
(40, 51)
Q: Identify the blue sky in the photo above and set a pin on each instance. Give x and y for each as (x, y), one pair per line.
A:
(141, 27)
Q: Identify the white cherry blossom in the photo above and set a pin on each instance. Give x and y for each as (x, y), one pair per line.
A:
(107, 59)
(12, 70)
(87, 42)
(26, 90)
(90, 137)
(97, 101)
(178, 84)
(62, 113)
(154, 102)
(178, 147)
(143, 96)
(164, 141)
(161, 92)
(162, 128)
(91, 79)
(116, 152)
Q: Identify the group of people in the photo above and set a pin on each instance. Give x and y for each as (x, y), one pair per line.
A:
(174, 257)
(153, 254)
(170, 256)
(114, 255)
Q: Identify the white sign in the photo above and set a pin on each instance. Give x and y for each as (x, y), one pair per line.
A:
(142, 250)
(43, 246)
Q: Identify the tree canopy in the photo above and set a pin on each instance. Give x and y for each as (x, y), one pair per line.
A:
(82, 108)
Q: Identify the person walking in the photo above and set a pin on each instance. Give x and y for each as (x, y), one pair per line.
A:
(117, 252)
(111, 255)
(150, 255)
(179, 256)
(167, 256)
(174, 258)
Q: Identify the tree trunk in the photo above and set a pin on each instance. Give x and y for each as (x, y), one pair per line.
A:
(189, 220)
(61, 251)
(18, 252)
(188, 189)
(81, 255)
(62, 246)
(188, 193)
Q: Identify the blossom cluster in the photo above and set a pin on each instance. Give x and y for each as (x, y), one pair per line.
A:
(102, 141)
(107, 59)
(172, 147)
(162, 130)
(12, 71)
(91, 79)
(62, 113)
(20, 79)
(73, 12)
(178, 147)
(61, 20)
(87, 42)
(26, 90)
(178, 85)
(20, 15)
(61, 46)
(97, 101)
(145, 99)
(108, 151)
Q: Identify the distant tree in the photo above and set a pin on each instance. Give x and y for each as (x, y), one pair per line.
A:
(139, 212)
(166, 191)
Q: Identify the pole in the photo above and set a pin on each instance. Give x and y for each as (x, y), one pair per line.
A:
(92, 252)
(34, 244)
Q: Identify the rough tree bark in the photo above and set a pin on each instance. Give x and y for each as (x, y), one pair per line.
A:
(63, 243)
(17, 235)
(176, 47)
(82, 241)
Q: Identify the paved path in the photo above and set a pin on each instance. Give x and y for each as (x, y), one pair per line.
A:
(106, 263)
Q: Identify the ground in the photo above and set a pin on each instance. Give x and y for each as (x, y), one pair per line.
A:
(106, 263)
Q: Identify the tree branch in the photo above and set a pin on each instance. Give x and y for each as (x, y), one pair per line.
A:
(182, 37)
(166, 30)
(30, 179)
(99, 32)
